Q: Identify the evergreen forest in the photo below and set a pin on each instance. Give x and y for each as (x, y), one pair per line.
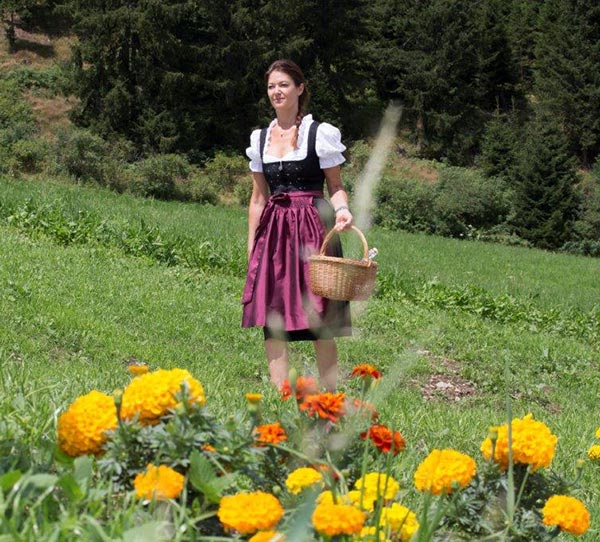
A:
(500, 97)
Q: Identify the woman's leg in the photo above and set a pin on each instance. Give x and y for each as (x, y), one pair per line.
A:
(327, 362)
(278, 358)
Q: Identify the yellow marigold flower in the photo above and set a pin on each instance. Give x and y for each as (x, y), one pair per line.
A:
(337, 519)
(267, 536)
(302, 478)
(567, 513)
(82, 427)
(368, 502)
(254, 398)
(377, 484)
(598, 432)
(369, 534)
(594, 452)
(442, 470)
(247, 513)
(532, 441)
(160, 483)
(401, 521)
(352, 497)
(152, 395)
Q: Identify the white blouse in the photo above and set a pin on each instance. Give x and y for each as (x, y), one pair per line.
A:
(328, 146)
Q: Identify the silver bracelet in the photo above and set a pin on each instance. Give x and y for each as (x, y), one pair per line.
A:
(340, 208)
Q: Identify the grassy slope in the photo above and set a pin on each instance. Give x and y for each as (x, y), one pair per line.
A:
(73, 314)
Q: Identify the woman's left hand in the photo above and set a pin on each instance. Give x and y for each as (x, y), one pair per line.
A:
(343, 220)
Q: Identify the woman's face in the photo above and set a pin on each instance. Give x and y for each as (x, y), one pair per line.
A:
(283, 92)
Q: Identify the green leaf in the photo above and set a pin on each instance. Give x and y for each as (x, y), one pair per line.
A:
(42, 481)
(72, 489)
(82, 471)
(8, 480)
(203, 477)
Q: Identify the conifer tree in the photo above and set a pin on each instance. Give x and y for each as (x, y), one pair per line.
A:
(567, 70)
(449, 62)
(544, 179)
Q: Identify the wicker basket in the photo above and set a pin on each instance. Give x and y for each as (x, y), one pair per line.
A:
(342, 279)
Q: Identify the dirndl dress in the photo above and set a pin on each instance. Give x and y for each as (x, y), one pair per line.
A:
(292, 226)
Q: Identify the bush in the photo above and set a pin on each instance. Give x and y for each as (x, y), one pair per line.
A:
(405, 204)
(224, 169)
(29, 155)
(465, 199)
(243, 190)
(201, 189)
(160, 175)
(16, 123)
(587, 225)
(82, 155)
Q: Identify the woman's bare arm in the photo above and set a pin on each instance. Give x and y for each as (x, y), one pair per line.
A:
(338, 198)
(258, 200)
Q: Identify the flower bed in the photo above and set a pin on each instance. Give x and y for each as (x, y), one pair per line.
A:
(324, 468)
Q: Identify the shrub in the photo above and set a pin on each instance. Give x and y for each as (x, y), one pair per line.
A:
(243, 190)
(82, 155)
(405, 204)
(29, 155)
(465, 199)
(16, 123)
(224, 169)
(201, 189)
(158, 176)
(587, 225)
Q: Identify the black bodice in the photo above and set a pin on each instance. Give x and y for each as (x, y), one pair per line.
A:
(293, 175)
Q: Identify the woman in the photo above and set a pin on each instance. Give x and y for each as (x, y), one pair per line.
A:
(288, 218)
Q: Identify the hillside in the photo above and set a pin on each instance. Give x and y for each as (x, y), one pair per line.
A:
(41, 51)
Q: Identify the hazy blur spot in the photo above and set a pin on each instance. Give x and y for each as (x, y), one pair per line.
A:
(369, 177)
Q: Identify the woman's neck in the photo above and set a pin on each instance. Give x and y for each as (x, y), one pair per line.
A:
(286, 120)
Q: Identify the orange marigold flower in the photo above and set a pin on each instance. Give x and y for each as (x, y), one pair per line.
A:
(160, 482)
(82, 427)
(329, 406)
(138, 368)
(208, 448)
(270, 433)
(254, 398)
(304, 385)
(247, 513)
(152, 395)
(366, 370)
(385, 438)
(444, 470)
(267, 536)
(567, 513)
(337, 519)
(533, 443)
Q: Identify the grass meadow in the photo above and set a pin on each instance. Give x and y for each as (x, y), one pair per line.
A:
(89, 279)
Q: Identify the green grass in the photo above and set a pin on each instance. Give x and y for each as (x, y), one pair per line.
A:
(74, 310)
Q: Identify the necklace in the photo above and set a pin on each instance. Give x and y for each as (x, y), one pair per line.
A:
(283, 132)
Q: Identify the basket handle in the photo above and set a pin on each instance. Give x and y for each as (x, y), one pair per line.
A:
(333, 232)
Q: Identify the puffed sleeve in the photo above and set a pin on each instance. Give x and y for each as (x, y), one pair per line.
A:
(329, 146)
(253, 152)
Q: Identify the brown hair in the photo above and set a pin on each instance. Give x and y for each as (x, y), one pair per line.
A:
(289, 67)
